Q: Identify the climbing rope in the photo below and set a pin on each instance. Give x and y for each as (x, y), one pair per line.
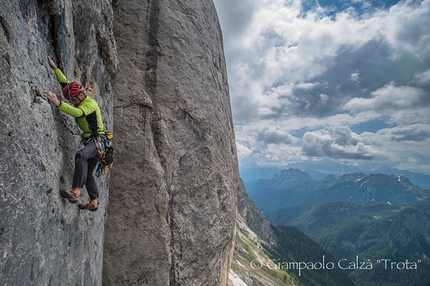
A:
(63, 41)
(63, 44)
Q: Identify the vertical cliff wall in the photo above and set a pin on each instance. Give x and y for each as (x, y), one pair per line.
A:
(173, 190)
(174, 186)
(45, 240)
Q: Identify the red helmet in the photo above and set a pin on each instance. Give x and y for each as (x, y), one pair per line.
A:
(72, 89)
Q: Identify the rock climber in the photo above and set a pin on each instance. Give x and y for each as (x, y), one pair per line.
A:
(88, 117)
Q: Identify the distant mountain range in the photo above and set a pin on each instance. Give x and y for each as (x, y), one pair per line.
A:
(294, 187)
(383, 219)
(319, 170)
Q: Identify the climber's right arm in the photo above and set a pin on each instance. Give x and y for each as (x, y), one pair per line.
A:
(52, 97)
(70, 110)
(63, 106)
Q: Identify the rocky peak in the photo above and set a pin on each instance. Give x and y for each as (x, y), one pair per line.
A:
(292, 175)
(345, 178)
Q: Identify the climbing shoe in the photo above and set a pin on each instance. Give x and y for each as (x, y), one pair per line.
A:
(88, 207)
(72, 197)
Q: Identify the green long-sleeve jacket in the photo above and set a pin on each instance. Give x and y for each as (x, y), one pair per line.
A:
(87, 114)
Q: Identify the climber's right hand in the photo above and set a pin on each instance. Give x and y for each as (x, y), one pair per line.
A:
(52, 98)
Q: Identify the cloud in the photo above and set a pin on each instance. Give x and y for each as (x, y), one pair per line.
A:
(346, 55)
(415, 132)
(266, 145)
(242, 150)
(406, 28)
(275, 137)
(423, 78)
(304, 74)
(390, 97)
(404, 146)
(235, 15)
(337, 142)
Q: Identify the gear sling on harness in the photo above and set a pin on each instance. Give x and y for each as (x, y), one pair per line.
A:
(105, 151)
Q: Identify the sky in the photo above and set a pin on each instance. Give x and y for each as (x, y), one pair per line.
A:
(346, 81)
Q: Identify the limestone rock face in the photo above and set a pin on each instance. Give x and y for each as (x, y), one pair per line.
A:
(174, 186)
(157, 69)
(252, 217)
(45, 240)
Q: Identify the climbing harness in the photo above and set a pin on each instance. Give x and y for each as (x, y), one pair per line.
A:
(104, 151)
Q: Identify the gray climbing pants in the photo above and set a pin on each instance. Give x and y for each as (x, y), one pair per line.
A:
(85, 162)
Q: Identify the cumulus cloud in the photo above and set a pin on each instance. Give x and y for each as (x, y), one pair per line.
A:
(337, 142)
(390, 97)
(423, 78)
(415, 132)
(266, 145)
(281, 46)
(301, 66)
(406, 28)
(355, 77)
(275, 137)
(405, 147)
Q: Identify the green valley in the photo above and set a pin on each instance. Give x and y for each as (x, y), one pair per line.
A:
(269, 255)
(380, 221)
